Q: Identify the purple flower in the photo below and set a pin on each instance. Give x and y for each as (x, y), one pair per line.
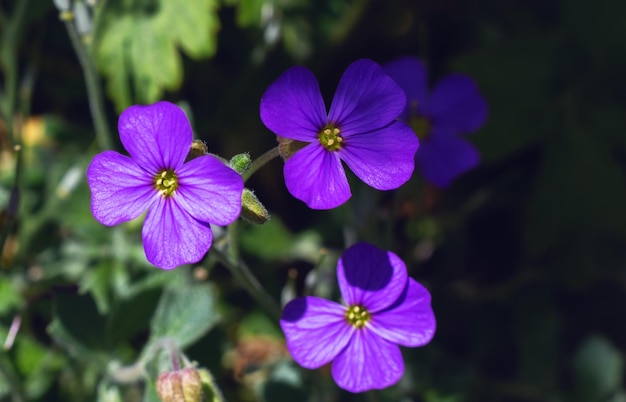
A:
(181, 198)
(439, 118)
(360, 130)
(383, 309)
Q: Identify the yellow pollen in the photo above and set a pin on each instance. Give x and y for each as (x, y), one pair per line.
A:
(330, 138)
(357, 316)
(166, 182)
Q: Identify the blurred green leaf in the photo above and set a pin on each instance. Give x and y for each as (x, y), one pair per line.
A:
(9, 296)
(108, 393)
(598, 367)
(184, 314)
(285, 384)
(40, 365)
(138, 46)
(273, 241)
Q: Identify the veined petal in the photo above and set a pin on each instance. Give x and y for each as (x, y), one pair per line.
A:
(366, 99)
(444, 156)
(370, 277)
(120, 189)
(456, 103)
(293, 107)
(156, 136)
(171, 237)
(316, 330)
(384, 158)
(368, 362)
(410, 321)
(315, 175)
(410, 73)
(209, 190)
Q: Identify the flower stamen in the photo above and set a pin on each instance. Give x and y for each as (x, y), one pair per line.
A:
(166, 182)
(329, 137)
(358, 316)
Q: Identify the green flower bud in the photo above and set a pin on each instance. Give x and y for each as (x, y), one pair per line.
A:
(241, 162)
(180, 386)
(251, 208)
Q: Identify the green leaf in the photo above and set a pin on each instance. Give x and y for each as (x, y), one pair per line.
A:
(184, 314)
(9, 297)
(138, 46)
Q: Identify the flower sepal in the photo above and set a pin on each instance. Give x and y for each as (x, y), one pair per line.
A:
(252, 210)
(180, 386)
(287, 147)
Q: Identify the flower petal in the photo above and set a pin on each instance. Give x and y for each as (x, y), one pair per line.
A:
(171, 237)
(370, 277)
(120, 190)
(410, 321)
(410, 73)
(315, 175)
(443, 156)
(366, 99)
(209, 190)
(316, 330)
(456, 103)
(368, 362)
(384, 158)
(156, 136)
(293, 107)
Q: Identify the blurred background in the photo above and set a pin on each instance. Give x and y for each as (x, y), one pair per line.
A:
(525, 255)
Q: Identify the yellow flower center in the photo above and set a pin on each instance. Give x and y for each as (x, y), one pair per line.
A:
(358, 316)
(166, 182)
(420, 125)
(329, 137)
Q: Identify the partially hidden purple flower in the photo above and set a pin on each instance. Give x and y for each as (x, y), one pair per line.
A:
(360, 129)
(382, 309)
(182, 198)
(440, 118)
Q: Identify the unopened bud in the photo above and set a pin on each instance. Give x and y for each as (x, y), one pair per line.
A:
(180, 386)
(251, 208)
(287, 147)
(240, 162)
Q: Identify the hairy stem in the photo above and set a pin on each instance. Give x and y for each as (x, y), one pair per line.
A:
(260, 162)
(94, 90)
(245, 277)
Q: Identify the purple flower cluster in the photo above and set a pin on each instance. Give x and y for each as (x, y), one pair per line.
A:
(182, 198)
(361, 129)
(439, 118)
(383, 308)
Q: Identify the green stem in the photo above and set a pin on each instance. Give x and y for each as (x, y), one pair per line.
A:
(14, 201)
(17, 390)
(8, 58)
(243, 274)
(233, 244)
(94, 90)
(260, 162)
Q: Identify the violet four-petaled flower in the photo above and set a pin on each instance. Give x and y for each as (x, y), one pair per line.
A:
(383, 309)
(360, 129)
(182, 198)
(454, 107)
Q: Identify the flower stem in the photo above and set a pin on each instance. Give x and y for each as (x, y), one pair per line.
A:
(13, 27)
(260, 162)
(243, 274)
(94, 91)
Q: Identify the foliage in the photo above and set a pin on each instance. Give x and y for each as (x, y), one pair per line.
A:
(524, 256)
